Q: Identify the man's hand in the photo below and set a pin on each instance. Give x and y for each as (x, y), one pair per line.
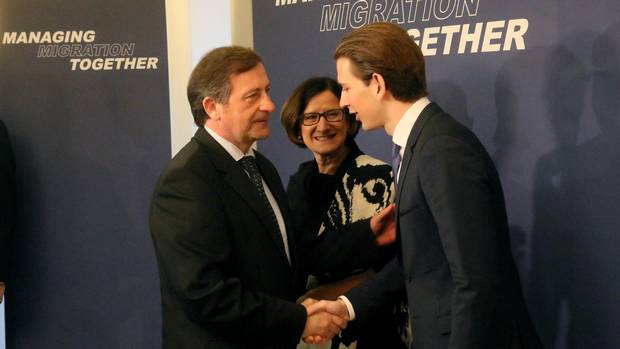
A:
(307, 302)
(2, 289)
(383, 225)
(337, 311)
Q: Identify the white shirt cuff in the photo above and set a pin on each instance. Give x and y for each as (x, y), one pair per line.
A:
(349, 307)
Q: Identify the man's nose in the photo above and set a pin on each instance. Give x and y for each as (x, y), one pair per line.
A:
(267, 104)
(344, 100)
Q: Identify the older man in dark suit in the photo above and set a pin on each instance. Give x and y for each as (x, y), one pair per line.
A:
(455, 260)
(219, 221)
(7, 204)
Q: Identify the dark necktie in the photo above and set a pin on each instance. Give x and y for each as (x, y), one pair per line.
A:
(249, 164)
(395, 161)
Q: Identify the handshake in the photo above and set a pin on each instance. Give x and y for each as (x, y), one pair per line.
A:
(325, 320)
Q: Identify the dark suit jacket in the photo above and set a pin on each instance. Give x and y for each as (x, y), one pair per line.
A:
(7, 200)
(462, 283)
(225, 282)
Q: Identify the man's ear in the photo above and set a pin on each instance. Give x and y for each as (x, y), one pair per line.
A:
(210, 107)
(378, 84)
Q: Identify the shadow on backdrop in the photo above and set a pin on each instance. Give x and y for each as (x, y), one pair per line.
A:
(452, 100)
(574, 279)
(521, 138)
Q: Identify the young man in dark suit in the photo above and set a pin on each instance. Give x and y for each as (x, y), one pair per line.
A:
(7, 204)
(455, 261)
(219, 222)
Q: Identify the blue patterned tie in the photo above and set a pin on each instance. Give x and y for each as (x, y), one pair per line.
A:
(250, 166)
(395, 161)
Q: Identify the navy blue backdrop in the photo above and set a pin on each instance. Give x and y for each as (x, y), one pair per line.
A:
(546, 105)
(90, 139)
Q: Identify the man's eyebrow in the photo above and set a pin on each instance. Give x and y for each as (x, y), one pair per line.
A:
(257, 89)
(249, 92)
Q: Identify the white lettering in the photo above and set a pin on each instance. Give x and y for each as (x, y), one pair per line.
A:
(443, 12)
(330, 16)
(496, 36)
(449, 31)
(141, 63)
(415, 35)
(359, 14)
(472, 8)
(396, 13)
(429, 39)
(516, 29)
(9, 38)
(47, 37)
(74, 63)
(376, 13)
(490, 34)
(467, 37)
(123, 63)
(152, 64)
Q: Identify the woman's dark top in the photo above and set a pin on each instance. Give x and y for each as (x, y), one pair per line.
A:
(331, 215)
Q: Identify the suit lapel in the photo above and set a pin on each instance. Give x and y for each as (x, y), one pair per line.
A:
(414, 135)
(238, 180)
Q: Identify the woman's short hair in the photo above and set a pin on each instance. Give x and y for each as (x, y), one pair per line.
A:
(293, 109)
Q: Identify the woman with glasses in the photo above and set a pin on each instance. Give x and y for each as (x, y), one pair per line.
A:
(332, 199)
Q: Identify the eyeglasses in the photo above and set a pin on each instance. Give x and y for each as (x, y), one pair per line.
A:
(332, 115)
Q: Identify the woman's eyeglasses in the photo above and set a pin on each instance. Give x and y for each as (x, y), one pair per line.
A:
(332, 115)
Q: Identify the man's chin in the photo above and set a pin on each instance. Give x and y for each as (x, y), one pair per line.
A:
(366, 124)
(262, 134)
(369, 127)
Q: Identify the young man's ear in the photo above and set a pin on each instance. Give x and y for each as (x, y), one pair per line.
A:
(378, 84)
(210, 107)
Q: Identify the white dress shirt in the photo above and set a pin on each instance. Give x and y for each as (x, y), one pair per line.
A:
(405, 124)
(237, 154)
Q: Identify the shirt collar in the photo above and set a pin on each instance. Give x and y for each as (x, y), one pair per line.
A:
(406, 122)
(230, 148)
